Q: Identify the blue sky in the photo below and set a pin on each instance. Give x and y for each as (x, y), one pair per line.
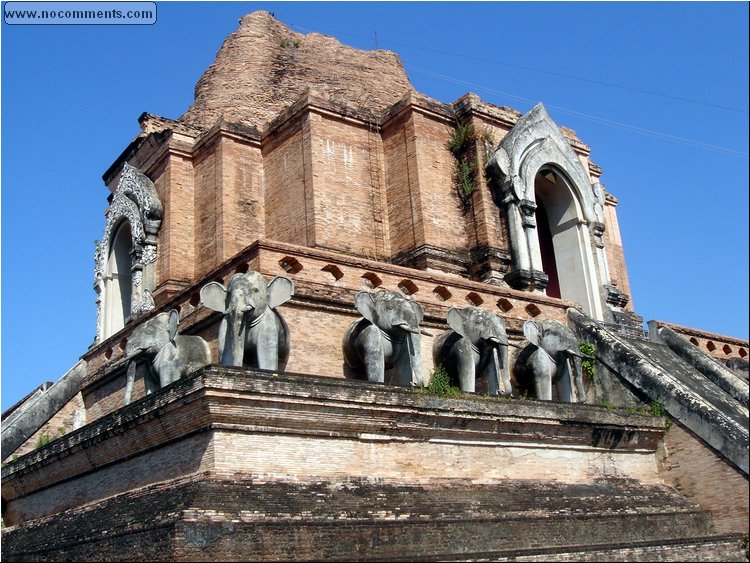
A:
(658, 90)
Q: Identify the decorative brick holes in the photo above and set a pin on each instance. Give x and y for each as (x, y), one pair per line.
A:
(474, 299)
(408, 287)
(504, 305)
(335, 271)
(442, 293)
(711, 346)
(195, 299)
(290, 265)
(533, 310)
(371, 280)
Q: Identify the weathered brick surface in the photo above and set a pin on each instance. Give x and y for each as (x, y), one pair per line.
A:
(234, 518)
(348, 202)
(240, 421)
(719, 346)
(615, 253)
(286, 204)
(439, 205)
(207, 170)
(697, 471)
(264, 67)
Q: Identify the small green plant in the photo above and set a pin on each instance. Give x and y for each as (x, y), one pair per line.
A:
(440, 383)
(461, 139)
(460, 144)
(746, 546)
(657, 409)
(589, 360)
(605, 403)
(43, 440)
(286, 42)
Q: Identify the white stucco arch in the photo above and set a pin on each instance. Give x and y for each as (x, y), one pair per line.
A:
(574, 205)
(125, 259)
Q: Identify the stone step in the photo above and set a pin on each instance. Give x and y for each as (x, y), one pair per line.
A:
(250, 519)
(727, 547)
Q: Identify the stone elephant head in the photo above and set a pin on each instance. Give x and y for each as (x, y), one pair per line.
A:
(551, 357)
(476, 346)
(387, 336)
(167, 355)
(252, 333)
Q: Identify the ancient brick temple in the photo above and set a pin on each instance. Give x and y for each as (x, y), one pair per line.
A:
(305, 158)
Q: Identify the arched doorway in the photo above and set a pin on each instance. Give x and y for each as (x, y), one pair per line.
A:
(118, 279)
(563, 239)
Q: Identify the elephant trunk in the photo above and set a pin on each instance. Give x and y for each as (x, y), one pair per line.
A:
(414, 350)
(234, 345)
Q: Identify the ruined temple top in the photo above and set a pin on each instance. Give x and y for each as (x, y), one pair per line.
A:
(264, 67)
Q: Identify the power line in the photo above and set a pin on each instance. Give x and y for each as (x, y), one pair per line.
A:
(581, 115)
(553, 73)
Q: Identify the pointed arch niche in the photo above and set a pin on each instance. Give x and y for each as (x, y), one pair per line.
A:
(125, 258)
(554, 212)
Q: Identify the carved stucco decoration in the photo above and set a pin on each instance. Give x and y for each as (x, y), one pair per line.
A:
(136, 202)
(536, 144)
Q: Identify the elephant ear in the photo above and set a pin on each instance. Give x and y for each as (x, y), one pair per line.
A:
(456, 321)
(214, 296)
(174, 320)
(280, 290)
(531, 332)
(418, 310)
(364, 302)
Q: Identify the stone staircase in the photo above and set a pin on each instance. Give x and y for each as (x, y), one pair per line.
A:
(229, 518)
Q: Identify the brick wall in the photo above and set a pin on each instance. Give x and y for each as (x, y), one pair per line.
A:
(717, 345)
(242, 196)
(618, 272)
(698, 472)
(207, 205)
(289, 213)
(347, 194)
(439, 206)
(401, 181)
(176, 255)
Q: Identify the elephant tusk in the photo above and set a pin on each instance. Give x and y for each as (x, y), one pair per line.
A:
(407, 328)
(134, 355)
(425, 332)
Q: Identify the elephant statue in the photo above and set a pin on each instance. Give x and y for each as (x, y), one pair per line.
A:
(168, 356)
(387, 336)
(252, 333)
(551, 357)
(476, 346)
